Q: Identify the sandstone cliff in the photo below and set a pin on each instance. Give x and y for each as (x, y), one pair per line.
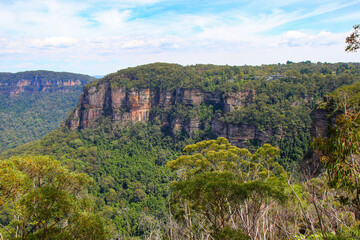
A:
(127, 106)
(40, 81)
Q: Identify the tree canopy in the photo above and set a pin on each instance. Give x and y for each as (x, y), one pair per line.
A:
(217, 179)
(43, 200)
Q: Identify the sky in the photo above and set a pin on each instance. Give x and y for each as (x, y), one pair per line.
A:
(98, 37)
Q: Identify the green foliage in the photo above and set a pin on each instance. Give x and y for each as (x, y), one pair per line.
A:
(340, 149)
(228, 233)
(215, 177)
(128, 165)
(341, 153)
(128, 162)
(348, 234)
(43, 105)
(47, 201)
(353, 41)
(345, 99)
(41, 77)
(211, 78)
(29, 117)
(282, 107)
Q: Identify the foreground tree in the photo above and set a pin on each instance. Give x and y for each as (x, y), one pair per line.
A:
(224, 192)
(341, 157)
(341, 149)
(353, 41)
(46, 201)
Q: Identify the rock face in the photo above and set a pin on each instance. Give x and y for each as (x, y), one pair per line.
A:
(240, 134)
(25, 86)
(128, 106)
(40, 81)
(320, 124)
(239, 99)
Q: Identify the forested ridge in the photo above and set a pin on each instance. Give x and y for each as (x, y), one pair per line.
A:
(228, 78)
(279, 111)
(146, 187)
(33, 103)
(41, 76)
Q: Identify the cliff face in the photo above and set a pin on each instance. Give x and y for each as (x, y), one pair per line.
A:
(130, 106)
(239, 134)
(40, 81)
(320, 123)
(321, 120)
(26, 86)
(126, 106)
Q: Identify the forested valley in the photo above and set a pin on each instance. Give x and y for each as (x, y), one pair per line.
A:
(164, 151)
(35, 102)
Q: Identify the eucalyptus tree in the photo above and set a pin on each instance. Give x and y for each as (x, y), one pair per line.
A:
(224, 192)
(45, 201)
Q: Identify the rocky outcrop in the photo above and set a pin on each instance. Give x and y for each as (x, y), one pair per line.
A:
(25, 86)
(239, 99)
(237, 134)
(321, 121)
(127, 106)
(240, 134)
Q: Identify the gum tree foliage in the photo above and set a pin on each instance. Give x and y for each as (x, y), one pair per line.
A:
(341, 149)
(353, 41)
(215, 182)
(43, 200)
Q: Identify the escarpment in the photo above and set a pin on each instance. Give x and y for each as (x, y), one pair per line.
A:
(209, 101)
(13, 84)
(127, 106)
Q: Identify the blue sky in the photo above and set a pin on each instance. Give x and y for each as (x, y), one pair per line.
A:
(100, 37)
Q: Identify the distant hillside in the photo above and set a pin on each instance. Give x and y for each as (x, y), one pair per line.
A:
(41, 81)
(35, 102)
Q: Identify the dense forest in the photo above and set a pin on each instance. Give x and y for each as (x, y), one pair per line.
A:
(34, 103)
(150, 182)
(41, 77)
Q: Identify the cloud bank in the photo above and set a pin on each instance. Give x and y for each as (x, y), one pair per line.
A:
(98, 37)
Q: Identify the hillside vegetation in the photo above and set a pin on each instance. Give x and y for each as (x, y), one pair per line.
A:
(34, 103)
(134, 164)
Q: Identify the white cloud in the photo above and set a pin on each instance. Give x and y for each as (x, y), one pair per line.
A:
(141, 2)
(133, 44)
(124, 3)
(103, 31)
(112, 20)
(300, 39)
(54, 42)
(41, 18)
(26, 65)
